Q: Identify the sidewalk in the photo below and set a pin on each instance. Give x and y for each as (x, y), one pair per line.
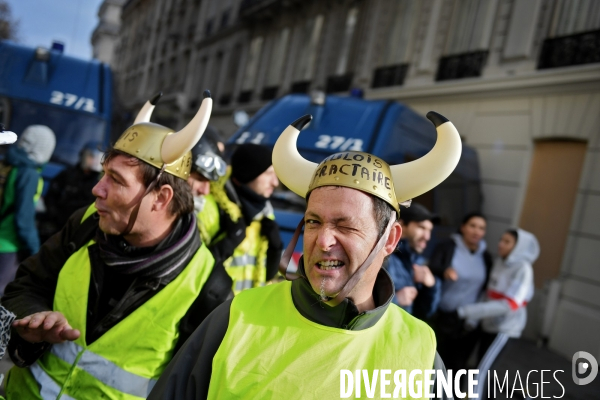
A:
(525, 356)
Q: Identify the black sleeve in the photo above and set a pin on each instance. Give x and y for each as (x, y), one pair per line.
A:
(188, 375)
(215, 291)
(441, 258)
(230, 235)
(33, 289)
(270, 229)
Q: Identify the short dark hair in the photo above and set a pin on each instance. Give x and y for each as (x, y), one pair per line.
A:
(514, 233)
(474, 214)
(182, 202)
(382, 210)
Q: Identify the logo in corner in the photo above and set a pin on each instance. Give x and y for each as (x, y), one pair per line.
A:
(581, 367)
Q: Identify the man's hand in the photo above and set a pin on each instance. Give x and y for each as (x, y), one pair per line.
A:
(46, 326)
(450, 274)
(423, 275)
(406, 295)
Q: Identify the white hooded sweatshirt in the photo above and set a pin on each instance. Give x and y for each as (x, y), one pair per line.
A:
(509, 289)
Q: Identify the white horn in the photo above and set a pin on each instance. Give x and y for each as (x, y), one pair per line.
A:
(291, 168)
(417, 177)
(146, 111)
(177, 144)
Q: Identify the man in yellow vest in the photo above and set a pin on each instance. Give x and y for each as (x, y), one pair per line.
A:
(217, 209)
(312, 337)
(106, 302)
(254, 260)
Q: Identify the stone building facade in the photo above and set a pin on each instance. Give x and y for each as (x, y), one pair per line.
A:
(519, 78)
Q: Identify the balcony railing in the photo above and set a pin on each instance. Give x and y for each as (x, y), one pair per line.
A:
(338, 83)
(245, 96)
(466, 65)
(225, 99)
(269, 93)
(389, 76)
(581, 48)
(300, 87)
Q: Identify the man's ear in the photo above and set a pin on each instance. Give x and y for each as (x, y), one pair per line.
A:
(393, 239)
(164, 195)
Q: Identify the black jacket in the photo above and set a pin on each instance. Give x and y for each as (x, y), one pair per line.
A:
(441, 258)
(34, 287)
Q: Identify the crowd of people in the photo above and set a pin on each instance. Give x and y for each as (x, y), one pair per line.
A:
(140, 287)
(469, 299)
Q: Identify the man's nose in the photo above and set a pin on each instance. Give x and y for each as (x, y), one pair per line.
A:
(98, 190)
(325, 239)
(275, 181)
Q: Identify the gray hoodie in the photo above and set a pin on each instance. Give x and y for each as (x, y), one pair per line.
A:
(509, 290)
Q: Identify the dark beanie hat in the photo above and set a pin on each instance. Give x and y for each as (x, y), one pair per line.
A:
(249, 161)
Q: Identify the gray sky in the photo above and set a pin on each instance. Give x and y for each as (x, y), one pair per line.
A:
(70, 21)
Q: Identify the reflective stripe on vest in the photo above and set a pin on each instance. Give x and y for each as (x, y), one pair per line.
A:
(127, 359)
(48, 388)
(290, 357)
(247, 267)
(104, 370)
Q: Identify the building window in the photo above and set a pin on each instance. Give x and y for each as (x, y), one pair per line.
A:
(468, 40)
(230, 79)
(276, 64)
(307, 53)
(393, 59)
(252, 64)
(341, 80)
(574, 35)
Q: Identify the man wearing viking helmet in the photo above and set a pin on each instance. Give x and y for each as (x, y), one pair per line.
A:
(107, 301)
(291, 340)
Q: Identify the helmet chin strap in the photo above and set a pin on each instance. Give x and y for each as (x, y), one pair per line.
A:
(354, 279)
(134, 213)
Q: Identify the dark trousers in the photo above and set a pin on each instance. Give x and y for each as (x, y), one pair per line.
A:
(454, 343)
(9, 263)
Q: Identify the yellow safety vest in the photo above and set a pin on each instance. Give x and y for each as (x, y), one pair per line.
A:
(126, 361)
(247, 267)
(270, 351)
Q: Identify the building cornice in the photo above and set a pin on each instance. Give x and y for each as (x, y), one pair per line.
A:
(577, 78)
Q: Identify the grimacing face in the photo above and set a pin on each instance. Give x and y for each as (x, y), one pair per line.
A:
(117, 193)
(340, 231)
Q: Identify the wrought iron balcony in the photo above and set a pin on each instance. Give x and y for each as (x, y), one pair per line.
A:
(389, 76)
(338, 83)
(581, 48)
(269, 93)
(458, 66)
(300, 87)
(245, 96)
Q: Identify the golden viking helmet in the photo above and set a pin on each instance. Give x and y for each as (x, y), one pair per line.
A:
(160, 146)
(365, 172)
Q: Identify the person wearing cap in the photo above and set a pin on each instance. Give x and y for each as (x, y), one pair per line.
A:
(255, 259)
(292, 339)
(218, 211)
(109, 299)
(417, 290)
(21, 186)
(71, 190)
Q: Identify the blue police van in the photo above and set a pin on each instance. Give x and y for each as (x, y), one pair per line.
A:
(70, 95)
(384, 128)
